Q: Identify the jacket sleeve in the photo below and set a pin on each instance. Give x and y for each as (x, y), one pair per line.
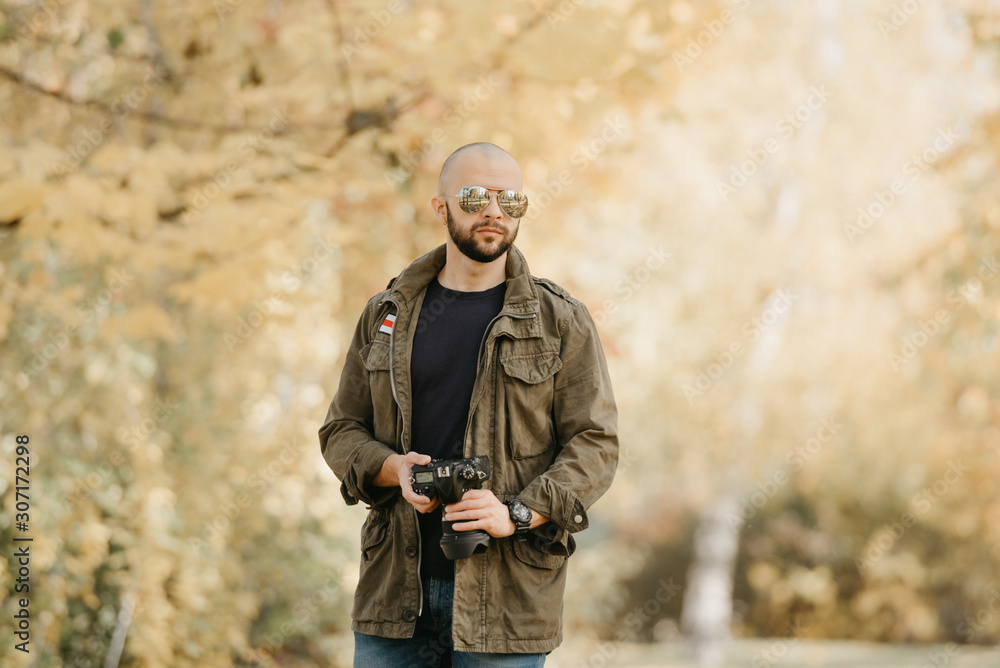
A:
(586, 424)
(346, 437)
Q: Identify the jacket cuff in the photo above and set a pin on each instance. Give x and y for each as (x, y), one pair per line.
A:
(358, 482)
(558, 503)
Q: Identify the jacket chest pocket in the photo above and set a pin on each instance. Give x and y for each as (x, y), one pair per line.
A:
(375, 356)
(377, 360)
(528, 393)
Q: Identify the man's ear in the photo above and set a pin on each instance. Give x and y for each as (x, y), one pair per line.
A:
(439, 209)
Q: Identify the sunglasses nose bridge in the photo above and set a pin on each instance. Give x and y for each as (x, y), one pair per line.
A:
(492, 207)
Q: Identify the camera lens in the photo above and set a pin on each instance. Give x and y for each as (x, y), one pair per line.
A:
(463, 544)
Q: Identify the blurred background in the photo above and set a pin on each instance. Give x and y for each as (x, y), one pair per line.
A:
(783, 217)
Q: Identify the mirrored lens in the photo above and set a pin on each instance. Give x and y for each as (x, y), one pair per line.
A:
(513, 202)
(473, 199)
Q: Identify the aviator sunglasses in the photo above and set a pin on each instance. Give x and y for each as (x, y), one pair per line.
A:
(473, 199)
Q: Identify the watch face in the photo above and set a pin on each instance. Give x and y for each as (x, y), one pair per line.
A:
(520, 512)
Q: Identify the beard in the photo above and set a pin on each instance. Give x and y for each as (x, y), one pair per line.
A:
(476, 250)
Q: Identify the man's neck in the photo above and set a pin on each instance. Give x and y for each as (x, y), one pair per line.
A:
(463, 274)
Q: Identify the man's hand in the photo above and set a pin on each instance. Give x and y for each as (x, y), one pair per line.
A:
(395, 472)
(480, 509)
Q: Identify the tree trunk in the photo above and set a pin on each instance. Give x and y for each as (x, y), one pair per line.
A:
(708, 601)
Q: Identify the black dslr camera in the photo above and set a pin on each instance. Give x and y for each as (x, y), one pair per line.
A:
(449, 479)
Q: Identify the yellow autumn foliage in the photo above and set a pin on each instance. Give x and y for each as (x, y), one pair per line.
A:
(782, 217)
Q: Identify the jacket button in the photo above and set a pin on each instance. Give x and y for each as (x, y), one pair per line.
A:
(578, 518)
(409, 616)
(411, 551)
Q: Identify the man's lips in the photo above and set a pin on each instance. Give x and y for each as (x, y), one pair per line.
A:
(489, 230)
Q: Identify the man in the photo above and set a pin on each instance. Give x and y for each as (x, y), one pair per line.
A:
(465, 354)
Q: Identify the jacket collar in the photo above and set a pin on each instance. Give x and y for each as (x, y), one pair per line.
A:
(520, 298)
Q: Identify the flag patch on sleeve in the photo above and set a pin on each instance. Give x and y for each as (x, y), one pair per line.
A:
(387, 324)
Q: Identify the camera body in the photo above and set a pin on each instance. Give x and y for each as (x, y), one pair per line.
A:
(449, 479)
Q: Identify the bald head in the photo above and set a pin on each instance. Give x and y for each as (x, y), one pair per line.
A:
(469, 158)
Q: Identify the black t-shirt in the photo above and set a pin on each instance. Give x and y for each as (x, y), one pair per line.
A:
(443, 367)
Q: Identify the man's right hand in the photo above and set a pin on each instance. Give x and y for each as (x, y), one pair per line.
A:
(395, 472)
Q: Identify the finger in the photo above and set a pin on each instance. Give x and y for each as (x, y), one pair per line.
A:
(418, 500)
(427, 509)
(468, 526)
(470, 504)
(467, 512)
(413, 497)
(423, 510)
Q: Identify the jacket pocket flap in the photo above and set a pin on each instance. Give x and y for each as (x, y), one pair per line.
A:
(375, 356)
(532, 368)
(529, 555)
(549, 539)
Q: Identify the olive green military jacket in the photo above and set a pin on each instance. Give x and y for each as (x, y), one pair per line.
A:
(542, 409)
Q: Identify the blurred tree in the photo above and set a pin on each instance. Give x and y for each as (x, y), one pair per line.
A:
(196, 200)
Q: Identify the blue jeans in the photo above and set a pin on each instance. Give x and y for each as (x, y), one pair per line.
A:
(430, 646)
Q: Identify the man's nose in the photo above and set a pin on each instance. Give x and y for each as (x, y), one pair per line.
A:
(493, 209)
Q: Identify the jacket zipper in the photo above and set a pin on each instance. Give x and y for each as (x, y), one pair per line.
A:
(392, 354)
(472, 406)
(482, 344)
(395, 396)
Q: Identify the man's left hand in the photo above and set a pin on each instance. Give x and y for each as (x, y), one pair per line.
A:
(480, 509)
